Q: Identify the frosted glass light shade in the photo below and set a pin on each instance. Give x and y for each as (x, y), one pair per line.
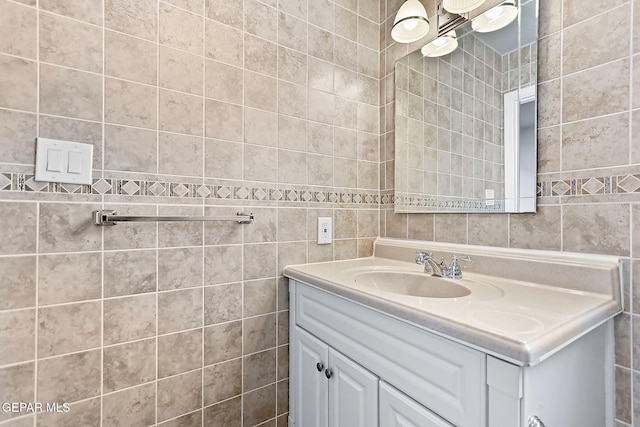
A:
(496, 18)
(411, 22)
(461, 6)
(441, 46)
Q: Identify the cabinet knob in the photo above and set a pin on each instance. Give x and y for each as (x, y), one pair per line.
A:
(319, 366)
(328, 373)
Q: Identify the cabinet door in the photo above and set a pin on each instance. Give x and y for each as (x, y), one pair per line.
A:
(399, 410)
(353, 393)
(312, 400)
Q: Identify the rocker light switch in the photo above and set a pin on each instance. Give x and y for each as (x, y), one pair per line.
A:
(63, 161)
(75, 162)
(54, 160)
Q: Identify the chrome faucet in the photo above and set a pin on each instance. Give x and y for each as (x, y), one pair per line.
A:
(440, 269)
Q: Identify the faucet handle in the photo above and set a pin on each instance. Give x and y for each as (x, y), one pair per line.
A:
(456, 273)
(422, 256)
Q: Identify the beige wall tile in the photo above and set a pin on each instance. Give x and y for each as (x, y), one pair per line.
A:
(180, 113)
(18, 282)
(539, 231)
(259, 369)
(297, 8)
(129, 272)
(224, 82)
(223, 120)
(582, 48)
(320, 45)
(131, 235)
(260, 91)
(320, 75)
(219, 233)
(130, 149)
(635, 236)
(344, 172)
(577, 11)
(180, 154)
(223, 43)
(180, 29)
(623, 394)
(292, 100)
(259, 297)
(320, 170)
(131, 318)
(227, 413)
(131, 406)
(259, 406)
(195, 6)
(346, 23)
(260, 127)
(321, 138)
(223, 159)
(549, 103)
(599, 229)
(17, 334)
(222, 264)
(179, 310)
(193, 419)
(18, 84)
(321, 14)
(180, 71)
(21, 236)
(16, 385)
(222, 342)
(179, 353)
(292, 65)
(260, 163)
(18, 30)
(292, 224)
(70, 43)
(292, 167)
(599, 142)
(283, 398)
(283, 362)
(60, 280)
(130, 58)
(345, 249)
(260, 20)
(67, 228)
(88, 11)
(179, 395)
(68, 328)
(222, 381)
(259, 270)
(608, 91)
(260, 55)
(179, 268)
(229, 12)
(69, 378)
(130, 364)
(138, 19)
(130, 104)
(489, 230)
(17, 135)
(258, 333)
(264, 227)
(292, 32)
(291, 253)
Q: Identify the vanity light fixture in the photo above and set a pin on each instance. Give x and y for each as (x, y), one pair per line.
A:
(496, 18)
(461, 6)
(441, 46)
(411, 22)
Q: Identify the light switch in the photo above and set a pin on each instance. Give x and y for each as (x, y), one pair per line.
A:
(63, 161)
(75, 162)
(54, 160)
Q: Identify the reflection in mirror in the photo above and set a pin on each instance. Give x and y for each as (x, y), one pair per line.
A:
(465, 123)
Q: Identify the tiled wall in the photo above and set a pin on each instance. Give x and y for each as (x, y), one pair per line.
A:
(588, 145)
(193, 108)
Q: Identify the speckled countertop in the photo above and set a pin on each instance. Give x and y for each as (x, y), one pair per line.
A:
(523, 306)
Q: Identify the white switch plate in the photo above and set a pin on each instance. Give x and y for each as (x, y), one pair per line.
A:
(63, 161)
(325, 230)
(489, 195)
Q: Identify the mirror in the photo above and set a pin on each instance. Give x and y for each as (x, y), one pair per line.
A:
(465, 123)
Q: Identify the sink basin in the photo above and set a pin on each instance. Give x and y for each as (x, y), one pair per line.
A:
(411, 284)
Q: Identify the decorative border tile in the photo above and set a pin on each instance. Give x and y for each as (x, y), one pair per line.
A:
(592, 186)
(18, 182)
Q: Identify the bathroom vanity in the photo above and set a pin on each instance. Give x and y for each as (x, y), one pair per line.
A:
(524, 338)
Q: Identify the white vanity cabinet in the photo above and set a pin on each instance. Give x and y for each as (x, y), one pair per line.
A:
(354, 366)
(337, 391)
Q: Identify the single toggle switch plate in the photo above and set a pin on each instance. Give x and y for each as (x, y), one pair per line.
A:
(325, 230)
(63, 161)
